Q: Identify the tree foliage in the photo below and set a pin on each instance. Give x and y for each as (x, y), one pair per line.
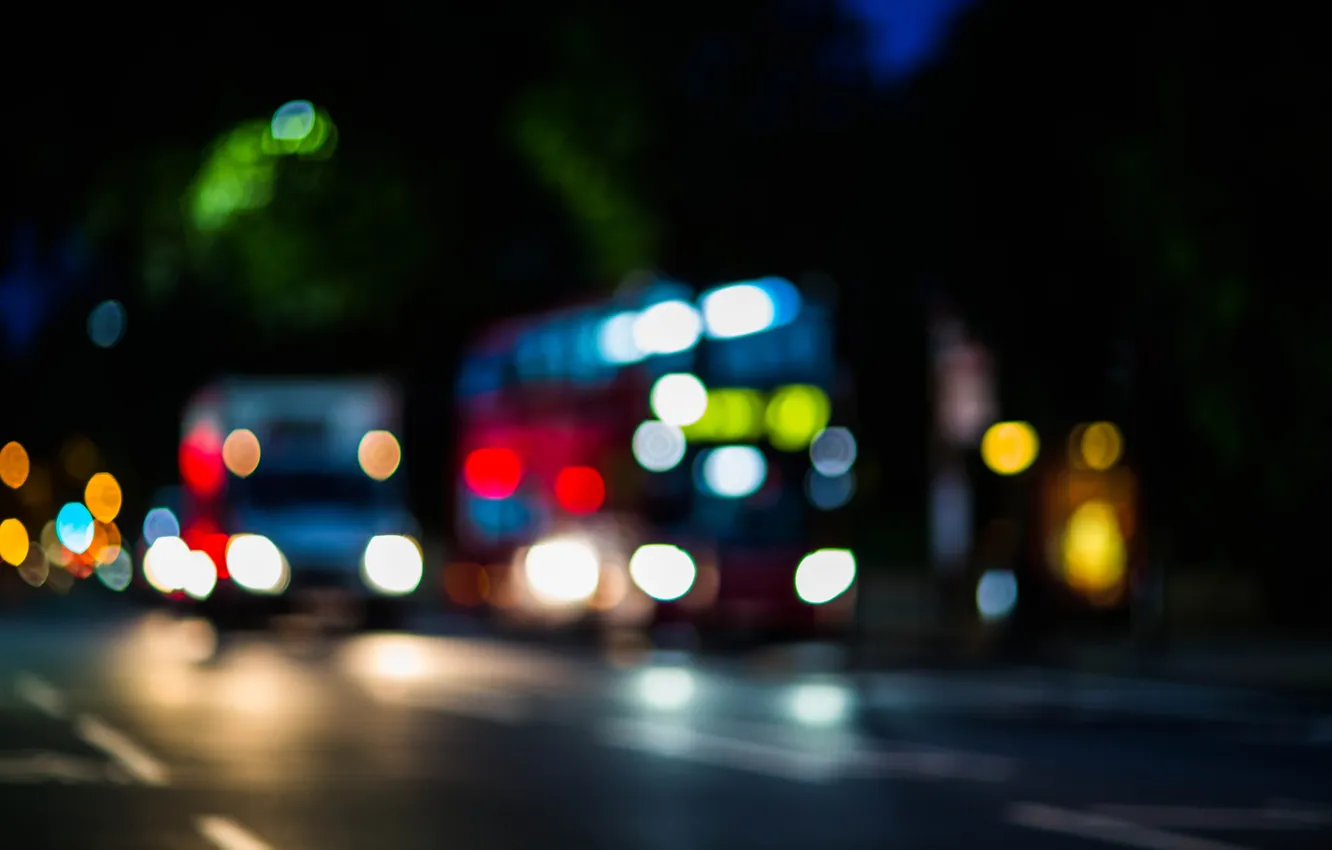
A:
(583, 134)
(285, 243)
(1145, 182)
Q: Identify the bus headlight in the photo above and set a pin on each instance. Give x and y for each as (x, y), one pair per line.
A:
(825, 575)
(256, 564)
(662, 571)
(392, 565)
(562, 572)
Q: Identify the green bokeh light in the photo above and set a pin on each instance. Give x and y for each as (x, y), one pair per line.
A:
(241, 170)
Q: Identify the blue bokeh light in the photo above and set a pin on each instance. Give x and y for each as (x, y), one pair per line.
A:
(499, 519)
(159, 523)
(785, 298)
(75, 528)
(996, 594)
(118, 573)
(106, 324)
(293, 121)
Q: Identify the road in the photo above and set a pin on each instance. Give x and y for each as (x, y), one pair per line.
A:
(136, 731)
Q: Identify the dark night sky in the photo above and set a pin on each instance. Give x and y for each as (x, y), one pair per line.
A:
(905, 33)
(1138, 156)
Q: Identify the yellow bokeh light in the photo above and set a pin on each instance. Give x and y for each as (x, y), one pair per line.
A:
(1010, 447)
(795, 415)
(79, 457)
(379, 454)
(36, 493)
(106, 543)
(1100, 446)
(732, 416)
(240, 452)
(1094, 552)
(1075, 447)
(34, 568)
(13, 542)
(55, 551)
(103, 497)
(13, 465)
(90, 555)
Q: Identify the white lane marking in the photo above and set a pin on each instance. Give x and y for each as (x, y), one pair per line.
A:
(1219, 819)
(720, 751)
(818, 760)
(42, 767)
(1109, 830)
(225, 833)
(938, 764)
(124, 752)
(40, 694)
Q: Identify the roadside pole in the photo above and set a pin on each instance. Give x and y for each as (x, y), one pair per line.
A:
(963, 405)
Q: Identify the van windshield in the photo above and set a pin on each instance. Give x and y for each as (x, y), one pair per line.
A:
(271, 490)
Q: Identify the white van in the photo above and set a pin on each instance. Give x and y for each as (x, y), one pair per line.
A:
(292, 488)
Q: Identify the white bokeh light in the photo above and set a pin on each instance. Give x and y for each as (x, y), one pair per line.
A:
(662, 571)
(825, 575)
(615, 339)
(392, 564)
(166, 564)
(562, 572)
(668, 328)
(200, 576)
(658, 447)
(833, 451)
(738, 310)
(734, 472)
(679, 399)
(256, 564)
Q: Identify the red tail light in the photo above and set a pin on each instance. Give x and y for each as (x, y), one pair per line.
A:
(201, 465)
(204, 536)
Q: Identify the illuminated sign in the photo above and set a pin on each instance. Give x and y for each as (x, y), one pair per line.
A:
(747, 308)
(799, 351)
(790, 418)
(732, 416)
(754, 333)
(1090, 525)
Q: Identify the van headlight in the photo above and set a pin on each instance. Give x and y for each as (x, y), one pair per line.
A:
(562, 572)
(825, 575)
(256, 564)
(392, 565)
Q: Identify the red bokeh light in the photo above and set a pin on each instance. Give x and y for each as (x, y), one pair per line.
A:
(580, 489)
(493, 473)
(79, 568)
(201, 465)
(204, 536)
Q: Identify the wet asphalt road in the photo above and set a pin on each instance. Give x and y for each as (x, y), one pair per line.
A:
(134, 731)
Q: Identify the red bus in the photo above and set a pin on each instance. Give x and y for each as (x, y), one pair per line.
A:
(658, 457)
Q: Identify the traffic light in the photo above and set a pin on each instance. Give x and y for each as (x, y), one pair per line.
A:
(1089, 518)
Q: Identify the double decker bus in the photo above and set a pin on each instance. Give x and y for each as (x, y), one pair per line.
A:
(659, 456)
